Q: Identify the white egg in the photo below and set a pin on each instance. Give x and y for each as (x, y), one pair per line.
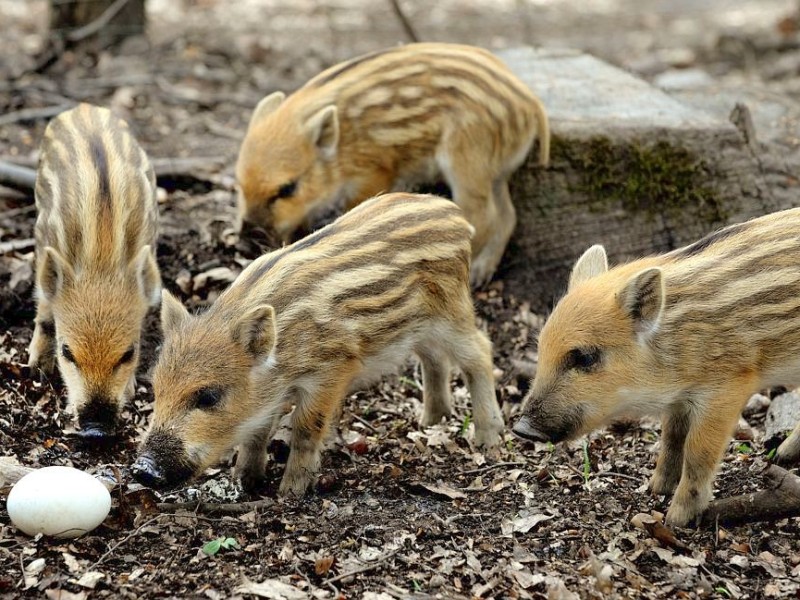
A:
(58, 501)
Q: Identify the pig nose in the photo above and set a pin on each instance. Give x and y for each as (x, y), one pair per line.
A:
(95, 432)
(256, 235)
(146, 471)
(97, 418)
(525, 429)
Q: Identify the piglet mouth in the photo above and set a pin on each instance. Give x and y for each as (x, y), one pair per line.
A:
(525, 429)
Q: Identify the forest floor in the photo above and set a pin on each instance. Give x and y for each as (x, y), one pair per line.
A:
(399, 511)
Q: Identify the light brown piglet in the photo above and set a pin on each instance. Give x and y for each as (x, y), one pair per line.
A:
(307, 324)
(96, 273)
(689, 335)
(387, 121)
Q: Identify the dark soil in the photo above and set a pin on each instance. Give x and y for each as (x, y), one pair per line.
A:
(409, 513)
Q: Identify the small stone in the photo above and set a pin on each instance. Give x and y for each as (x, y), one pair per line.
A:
(756, 404)
(743, 431)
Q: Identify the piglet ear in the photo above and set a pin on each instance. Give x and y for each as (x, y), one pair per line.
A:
(267, 106)
(642, 299)
(256, 331)
(173, 313)
(323, 131)
(147, 276)
(592, 263)
(53, 274)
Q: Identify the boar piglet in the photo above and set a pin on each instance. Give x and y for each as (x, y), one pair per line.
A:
(689, 335)
(388, 121)
(308, 323)
(96, 273)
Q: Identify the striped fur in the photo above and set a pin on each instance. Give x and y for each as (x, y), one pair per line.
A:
(95, 259)
(689, 335)
(386, 121)
(305, 325)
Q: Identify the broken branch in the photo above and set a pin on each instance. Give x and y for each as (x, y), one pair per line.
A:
(171, 173)
(780, 501)
(233, 508)
(16, 177)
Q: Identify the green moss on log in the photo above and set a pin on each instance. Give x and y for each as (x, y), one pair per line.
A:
(653, 179)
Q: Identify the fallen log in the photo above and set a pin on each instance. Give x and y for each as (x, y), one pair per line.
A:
(631, 167)
(780, 501)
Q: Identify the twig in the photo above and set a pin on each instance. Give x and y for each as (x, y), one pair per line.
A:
(449, 520)
(365, 423)
(615, 474)
(22, 568)
(138, 530)
(169, 171)
(80, 34)
(34, 114)
(513, 463)
(232, 508)
(186, 167)
(221, 130)
(16, 245)
(401, 16)
(127, 538)
(365, 568)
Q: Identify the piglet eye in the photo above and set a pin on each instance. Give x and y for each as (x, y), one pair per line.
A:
(127, 357)
(207, 397)
(583, 359)
(67, 353)
(286, 190)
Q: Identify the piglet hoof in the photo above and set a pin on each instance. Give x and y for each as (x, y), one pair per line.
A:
(479, 278)
(661, 485)
(487, 438)
(433, 417)
(686, 508)
(483, 268)
(252, 481)
(294, 485)
(679, 516)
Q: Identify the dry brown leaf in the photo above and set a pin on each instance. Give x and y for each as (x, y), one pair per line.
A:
(72, 563)
(90, 579)
(658, 531)
(60, 594)
(323, 564)
(274, 589)
(440, 489)
(525, 524)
